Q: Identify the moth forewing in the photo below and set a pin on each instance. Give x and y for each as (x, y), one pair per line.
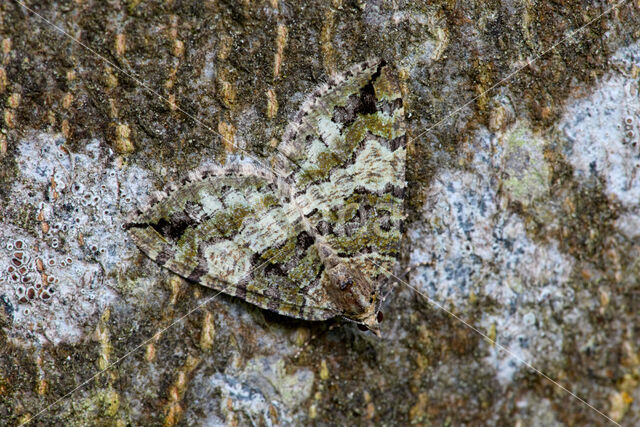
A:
(299, 243)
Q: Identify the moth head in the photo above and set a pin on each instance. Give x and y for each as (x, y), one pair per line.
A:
(355, 295)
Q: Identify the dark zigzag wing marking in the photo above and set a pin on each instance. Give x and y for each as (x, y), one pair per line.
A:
(356, 203)
(302, 131)
(364, 103)
(218, 227)
(355, 197)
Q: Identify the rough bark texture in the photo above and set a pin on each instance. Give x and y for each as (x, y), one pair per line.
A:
(523, 212)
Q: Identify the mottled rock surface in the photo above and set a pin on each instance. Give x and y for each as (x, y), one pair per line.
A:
(523, 213)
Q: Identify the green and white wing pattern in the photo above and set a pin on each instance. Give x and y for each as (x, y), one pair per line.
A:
(251, 234)
(349, 143)
(233, 230)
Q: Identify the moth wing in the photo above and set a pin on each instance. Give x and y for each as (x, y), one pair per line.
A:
(349, 144)
(234, 231)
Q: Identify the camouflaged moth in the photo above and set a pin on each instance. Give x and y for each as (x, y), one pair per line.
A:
(309, 240)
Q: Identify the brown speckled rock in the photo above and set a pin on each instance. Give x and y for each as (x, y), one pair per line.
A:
(523, 213)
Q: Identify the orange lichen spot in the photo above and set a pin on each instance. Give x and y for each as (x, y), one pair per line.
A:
(226, 89)
(326, 36)
(150, 352)
(66, 128)
(225, 47)
(80, 239)
(208, 332)
(6, 46)
(44, 226)
(174, 395)
(281, 41)
(272, 103)
(176, 391)
(42, 387)
(9, 119)
(3, 80)
(178, 48)
(14, 100)
(370, 410)
(228, 133)
(620, 402)
(172, 102)
(174, 413)
(67, 100)
(3, 145)
(120, 44)
(123, 144)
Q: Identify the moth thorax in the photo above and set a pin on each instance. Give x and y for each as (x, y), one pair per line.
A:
(352, 293)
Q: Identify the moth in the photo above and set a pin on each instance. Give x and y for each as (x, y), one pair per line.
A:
(313, 234)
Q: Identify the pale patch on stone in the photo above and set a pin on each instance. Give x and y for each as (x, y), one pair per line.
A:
(594, 127)
(271, 390)
(76, 246)
(602, 132)
(475, 249)
(629, 224)
(526, 171)
(292, 389)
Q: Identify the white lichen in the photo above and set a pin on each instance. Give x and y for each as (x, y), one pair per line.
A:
(67, 209)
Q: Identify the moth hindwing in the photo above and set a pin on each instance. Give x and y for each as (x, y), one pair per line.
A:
(315, 242)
